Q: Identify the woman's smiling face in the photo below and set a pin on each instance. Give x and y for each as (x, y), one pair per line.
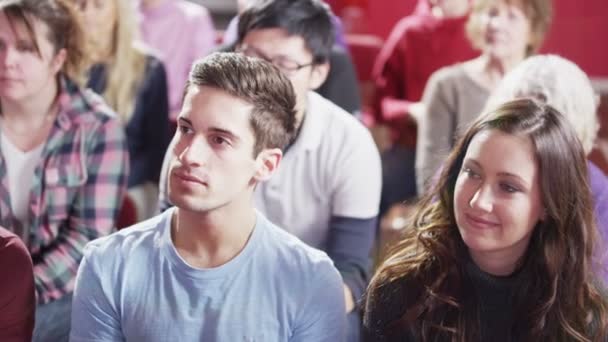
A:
(497, 197)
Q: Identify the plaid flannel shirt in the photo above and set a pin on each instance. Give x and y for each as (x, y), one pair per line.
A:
(76, 191)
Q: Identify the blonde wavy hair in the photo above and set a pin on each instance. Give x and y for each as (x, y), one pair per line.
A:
(126, 65)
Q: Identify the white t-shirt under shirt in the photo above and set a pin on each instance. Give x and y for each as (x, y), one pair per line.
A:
(20, 167)
(134, 286)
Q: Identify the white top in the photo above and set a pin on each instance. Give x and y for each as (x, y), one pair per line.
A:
(332, 169)
(20, 167)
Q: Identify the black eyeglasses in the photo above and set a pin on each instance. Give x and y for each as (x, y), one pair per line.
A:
(286, 65)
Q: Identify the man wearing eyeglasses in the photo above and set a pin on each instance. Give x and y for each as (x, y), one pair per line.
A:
(327, 189)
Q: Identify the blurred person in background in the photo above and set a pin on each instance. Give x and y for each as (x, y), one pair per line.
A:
(506, 32)
(433, 36)
(340, 86)
(64, 159)
(231, 33)
(134, 84)
(181, 31)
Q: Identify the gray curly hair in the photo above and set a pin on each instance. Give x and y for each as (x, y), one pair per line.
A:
(557, 82)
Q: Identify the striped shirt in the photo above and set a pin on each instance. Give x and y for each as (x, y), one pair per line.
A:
(76, 190)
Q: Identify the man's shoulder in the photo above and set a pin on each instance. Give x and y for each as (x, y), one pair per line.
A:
(330, 117)
(291, 254)
(129, 242)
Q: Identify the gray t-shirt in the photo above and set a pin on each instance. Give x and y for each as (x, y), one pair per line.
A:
(134, 286)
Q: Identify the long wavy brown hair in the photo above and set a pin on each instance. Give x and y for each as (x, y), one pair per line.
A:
(560, 299)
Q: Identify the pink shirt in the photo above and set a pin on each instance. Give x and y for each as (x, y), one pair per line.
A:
(181, 32)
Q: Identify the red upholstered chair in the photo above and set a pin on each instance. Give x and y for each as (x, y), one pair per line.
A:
(128, 213)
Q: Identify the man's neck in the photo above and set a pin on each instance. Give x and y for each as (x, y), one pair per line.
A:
(207, 240)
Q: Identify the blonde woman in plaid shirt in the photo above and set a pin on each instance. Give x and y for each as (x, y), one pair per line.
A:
(63, 160)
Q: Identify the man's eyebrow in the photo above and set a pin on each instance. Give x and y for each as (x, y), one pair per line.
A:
(225, 132)
(184, 120)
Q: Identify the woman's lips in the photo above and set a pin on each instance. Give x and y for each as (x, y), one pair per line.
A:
(481, 223)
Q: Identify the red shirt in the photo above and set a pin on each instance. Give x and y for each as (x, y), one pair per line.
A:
(418, 45)
(17, 295)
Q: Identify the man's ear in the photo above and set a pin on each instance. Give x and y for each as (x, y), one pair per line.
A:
(267, 163)
(319, 75)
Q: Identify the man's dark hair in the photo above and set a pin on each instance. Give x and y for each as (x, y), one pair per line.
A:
(257, 82)
(309, 19)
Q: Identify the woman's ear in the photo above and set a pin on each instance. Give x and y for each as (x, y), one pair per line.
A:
(59, 60)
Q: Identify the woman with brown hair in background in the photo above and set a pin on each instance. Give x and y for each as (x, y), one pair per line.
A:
(506, 32)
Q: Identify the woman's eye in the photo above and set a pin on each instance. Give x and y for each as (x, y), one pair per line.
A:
(508, 188)
(470, 173)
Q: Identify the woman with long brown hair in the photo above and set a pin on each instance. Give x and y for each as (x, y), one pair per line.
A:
(502, 247)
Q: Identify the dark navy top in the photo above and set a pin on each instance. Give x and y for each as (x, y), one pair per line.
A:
(148, 127)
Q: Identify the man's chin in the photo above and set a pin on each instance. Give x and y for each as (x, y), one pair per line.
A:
(188, 202)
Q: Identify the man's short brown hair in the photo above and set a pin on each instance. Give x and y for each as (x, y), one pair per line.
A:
(259, 83)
